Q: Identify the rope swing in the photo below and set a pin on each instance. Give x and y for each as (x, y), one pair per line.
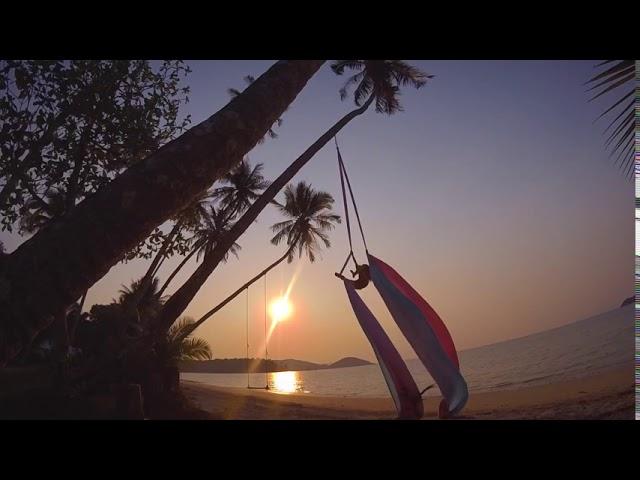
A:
(343, 177)
(266, 351)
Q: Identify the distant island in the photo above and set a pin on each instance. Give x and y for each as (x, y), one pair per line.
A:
(259, 365)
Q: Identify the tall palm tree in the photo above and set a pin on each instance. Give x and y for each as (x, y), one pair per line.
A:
(242, 186)
(381, 80)
(125, 211)
(187, 219)
(214, 226)
(309, 217)
(181, 346)
(619, 78)
(146, 305)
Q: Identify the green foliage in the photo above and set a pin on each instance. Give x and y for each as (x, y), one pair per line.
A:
(70, 127)
(188, 348)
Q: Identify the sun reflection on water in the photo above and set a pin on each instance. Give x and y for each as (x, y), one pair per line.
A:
(285, 382)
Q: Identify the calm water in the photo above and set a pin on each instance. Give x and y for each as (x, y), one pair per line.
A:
(573, 351)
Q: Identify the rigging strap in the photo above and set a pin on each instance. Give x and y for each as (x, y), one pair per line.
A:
(343, 173)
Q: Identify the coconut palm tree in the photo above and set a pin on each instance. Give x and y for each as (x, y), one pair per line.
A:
(146, 305)
(125, 211)
(381, 80)
(242, 186)
(187, 219)
(214, 226)
(309, 217)
(181, 346)
(618, 77)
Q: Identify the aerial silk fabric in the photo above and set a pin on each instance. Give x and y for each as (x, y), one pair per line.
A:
(425, 332)
(403, 388)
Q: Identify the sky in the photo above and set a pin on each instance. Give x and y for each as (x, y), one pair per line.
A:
(492, 194)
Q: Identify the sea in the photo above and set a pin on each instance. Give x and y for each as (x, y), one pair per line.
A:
(573, 351)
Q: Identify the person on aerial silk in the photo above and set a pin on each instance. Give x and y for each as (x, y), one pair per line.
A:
(362, 272)
(417, 320)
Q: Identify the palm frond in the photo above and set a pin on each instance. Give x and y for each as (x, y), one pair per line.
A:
(620, 140)
(309, 217)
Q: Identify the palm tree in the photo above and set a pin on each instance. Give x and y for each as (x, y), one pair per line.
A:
(146, 305)
(381, 80)
(243, 186)
(309, 217)
(617, 77)
(125, 211)
(214, 225)
(240, 187)
(181, 346)
(189, 218)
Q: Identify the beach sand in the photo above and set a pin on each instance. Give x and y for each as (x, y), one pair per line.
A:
(609, 395)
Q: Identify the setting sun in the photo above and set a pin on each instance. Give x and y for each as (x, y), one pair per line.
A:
(280, 309)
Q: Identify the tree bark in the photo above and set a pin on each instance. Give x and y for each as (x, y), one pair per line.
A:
(52, 269)
(174, 307)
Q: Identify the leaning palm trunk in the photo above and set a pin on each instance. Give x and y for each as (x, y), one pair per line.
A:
(52, 269)
(156, 263)
(161, 255)
(211, 312)
(178, 268)
(174, 307)
(77, 319)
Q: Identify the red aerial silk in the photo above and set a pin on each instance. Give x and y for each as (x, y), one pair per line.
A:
(425, 331)
(404, 390)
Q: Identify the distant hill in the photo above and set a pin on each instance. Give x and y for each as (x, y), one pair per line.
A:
(349, 362)
(259, 365)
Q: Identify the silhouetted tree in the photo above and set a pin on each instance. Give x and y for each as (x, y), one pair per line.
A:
(124, 212)
(377, 81)
(309, 217)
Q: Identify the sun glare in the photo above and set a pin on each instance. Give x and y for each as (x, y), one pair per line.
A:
(280, 309)
(285, 382)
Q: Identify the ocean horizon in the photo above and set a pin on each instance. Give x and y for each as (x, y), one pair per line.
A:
(575, 350)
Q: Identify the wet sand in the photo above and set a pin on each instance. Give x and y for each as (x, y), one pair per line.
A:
(609, 395)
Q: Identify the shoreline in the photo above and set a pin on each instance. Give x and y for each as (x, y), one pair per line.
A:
(607, 395)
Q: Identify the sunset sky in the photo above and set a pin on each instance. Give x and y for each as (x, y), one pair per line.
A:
(491, 193)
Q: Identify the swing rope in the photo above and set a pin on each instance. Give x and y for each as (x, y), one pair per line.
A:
(343, 177)
(266, 351)
(247, 336)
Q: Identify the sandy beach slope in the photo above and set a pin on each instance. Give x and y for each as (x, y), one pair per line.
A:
(609, 395)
